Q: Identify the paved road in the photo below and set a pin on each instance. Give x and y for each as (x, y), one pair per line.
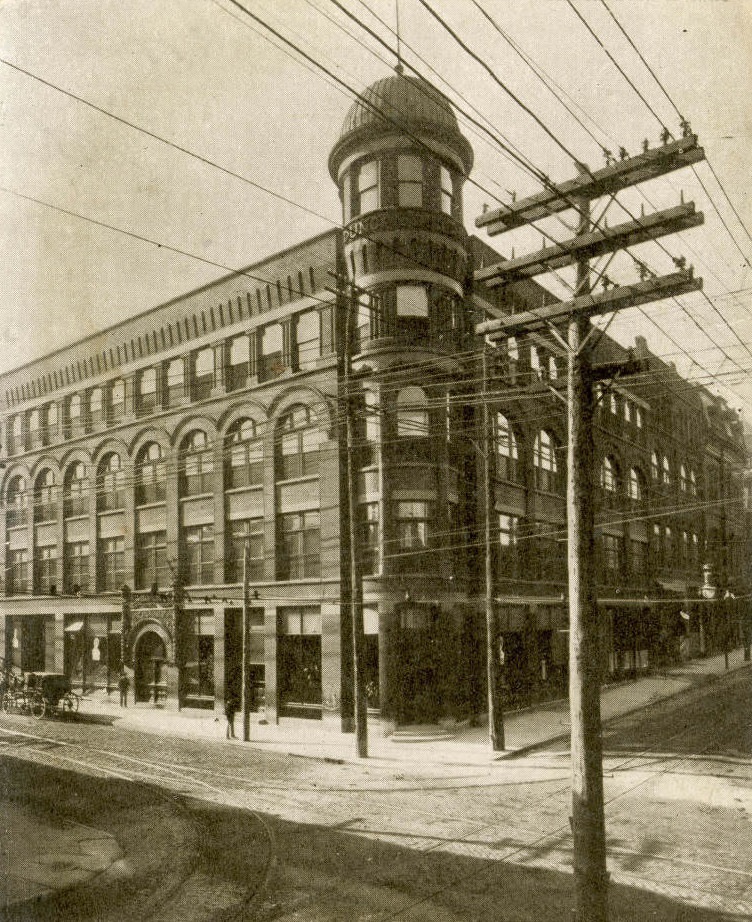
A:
(294, 838)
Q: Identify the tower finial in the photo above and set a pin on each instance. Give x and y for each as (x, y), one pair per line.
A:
(398, 66)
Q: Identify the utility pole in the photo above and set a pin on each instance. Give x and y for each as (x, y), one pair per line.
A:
(246, 689)
(588, 822)
(356, 595)
(495, 712)
(348, 292)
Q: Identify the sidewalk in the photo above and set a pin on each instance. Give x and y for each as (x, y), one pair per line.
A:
(461, 745)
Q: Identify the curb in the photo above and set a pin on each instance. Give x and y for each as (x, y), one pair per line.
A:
(707, 679)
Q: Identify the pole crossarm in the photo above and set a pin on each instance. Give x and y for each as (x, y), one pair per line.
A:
(592, 245)
(591, 305)
(594, 184)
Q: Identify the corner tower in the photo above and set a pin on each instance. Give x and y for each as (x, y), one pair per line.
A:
(400, 164)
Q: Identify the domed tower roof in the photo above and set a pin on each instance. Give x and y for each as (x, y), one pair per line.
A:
(400, 105)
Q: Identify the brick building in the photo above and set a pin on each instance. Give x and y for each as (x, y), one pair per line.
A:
(140, 462)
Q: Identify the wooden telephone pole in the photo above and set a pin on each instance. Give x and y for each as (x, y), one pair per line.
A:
(495, 710)
(588, 822)
(347, 293)
(246, 690)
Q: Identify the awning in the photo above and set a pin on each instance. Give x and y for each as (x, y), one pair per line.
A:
(74, 626)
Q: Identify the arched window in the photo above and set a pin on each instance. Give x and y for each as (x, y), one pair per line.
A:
(545, 463)
(636, 484)
(110, 484)
(655, 467)
(76, 491)
(45, 497)
(683, 478)
(412, 413)
(245, 455)
(666, 472)
(151, 473)
(609, 475)
(298, 439)
(16, 502)
(693, 482)
(507, 455)
(196, 465)
(613, 403)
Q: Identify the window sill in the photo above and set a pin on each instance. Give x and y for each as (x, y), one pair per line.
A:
(305, 478)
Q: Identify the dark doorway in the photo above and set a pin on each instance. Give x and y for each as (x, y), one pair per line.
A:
(150, 647)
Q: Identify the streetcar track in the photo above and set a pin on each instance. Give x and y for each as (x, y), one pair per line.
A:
(33, 743)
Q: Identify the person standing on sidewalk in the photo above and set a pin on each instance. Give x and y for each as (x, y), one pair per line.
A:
(123, 683)
(231, 709)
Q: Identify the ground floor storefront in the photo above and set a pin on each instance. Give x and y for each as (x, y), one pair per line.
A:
(423, 661)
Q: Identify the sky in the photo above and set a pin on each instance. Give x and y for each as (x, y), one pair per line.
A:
(205, 77)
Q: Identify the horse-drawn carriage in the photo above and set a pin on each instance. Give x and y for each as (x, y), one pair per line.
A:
(39, 694)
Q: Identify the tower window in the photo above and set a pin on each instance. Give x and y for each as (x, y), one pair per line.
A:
(368, 187)
(409, 181)
(447, 190)
(412, 301)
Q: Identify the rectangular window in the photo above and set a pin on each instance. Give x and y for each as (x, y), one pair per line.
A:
(203, 374)
(49, 421)
(409, 181)
(638, 554)
(447, 191)
(413, 525)
(252, 532)
(246, 464)
(46, 569)
(35, 429)
(111, 564)
(368, 187)
(508, 554)
(610, 558)
(175, 382)
(147, 391)
(307, 335)
(96, 409)
(240, 354)
(300, 554)
(18, 572)
(199, 554)
(369, 537)
(151, 560)
(76, 566)
(198, 673)
(412, 301)
(117, 401)
(299, 659)
(271, 363)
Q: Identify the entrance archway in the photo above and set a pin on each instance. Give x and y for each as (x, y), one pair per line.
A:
(150, 648)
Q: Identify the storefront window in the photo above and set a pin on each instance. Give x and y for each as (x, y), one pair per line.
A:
(299, 660)
(198, 669)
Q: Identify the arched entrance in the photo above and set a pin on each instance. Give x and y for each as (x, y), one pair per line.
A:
(149, 656)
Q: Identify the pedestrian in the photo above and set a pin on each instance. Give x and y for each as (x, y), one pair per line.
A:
(123, 684)
(231, 709)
